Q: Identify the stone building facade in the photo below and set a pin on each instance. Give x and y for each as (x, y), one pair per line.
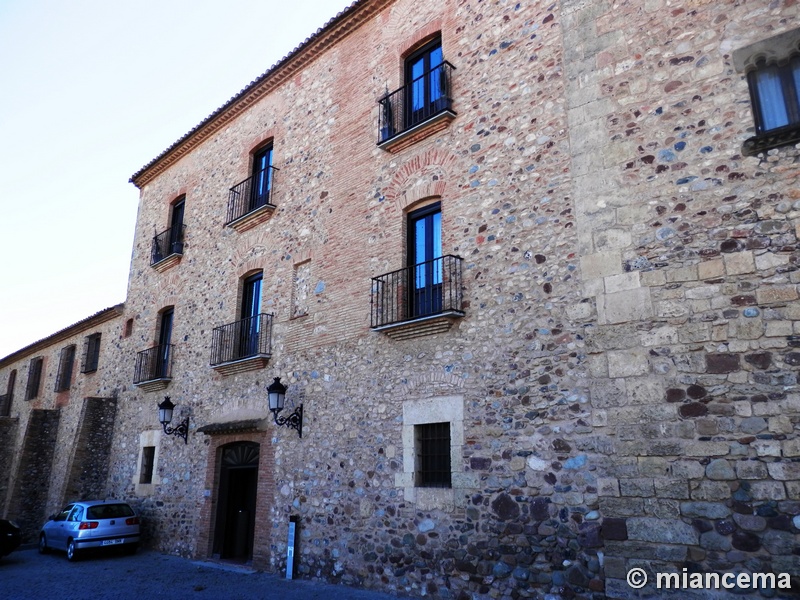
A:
(57, 417)
(568, 255)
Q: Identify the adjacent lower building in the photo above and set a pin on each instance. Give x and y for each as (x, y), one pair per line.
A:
(524, 277)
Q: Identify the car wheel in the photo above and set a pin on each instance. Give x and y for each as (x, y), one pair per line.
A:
(43, 547)
(72, 552)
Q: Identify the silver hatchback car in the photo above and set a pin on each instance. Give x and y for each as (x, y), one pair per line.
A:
(91, 524)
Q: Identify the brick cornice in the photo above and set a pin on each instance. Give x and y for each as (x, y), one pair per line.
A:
(337, 29)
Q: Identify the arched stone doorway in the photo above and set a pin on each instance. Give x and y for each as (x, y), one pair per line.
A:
(236, 501)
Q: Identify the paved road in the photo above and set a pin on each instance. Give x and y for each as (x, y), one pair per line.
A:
(26, 574)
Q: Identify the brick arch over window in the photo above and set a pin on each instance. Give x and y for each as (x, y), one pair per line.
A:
(424, 175)
(407, 24)
(170, 200)
(419, 38)
(168, 284)
(424, 382)
(266, 138)
(251, 267)
(254, 253)
(168, 302)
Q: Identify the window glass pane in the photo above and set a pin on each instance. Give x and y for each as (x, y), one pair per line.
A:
(437, 247)
(436, 57)
(418, 85)
(796, 80)
(770, 98)
(263, 174)
(436, 74)
(165, 334)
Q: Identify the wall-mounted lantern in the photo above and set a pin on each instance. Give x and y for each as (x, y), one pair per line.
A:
(277, 395)
(165, 417)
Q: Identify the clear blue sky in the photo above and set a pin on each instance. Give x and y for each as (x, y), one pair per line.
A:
(91, 91)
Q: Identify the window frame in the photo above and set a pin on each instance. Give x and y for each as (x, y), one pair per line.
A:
(789, 91)
(147, 465)
(35, 368)
(779, 53)
(166, 326)
(250, 306)
(177, 213)
(425, 293)
(261, 172)
(91, 353)
(424, 82)
(66, 365)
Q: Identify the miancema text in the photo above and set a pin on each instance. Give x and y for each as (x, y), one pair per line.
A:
(712, 581)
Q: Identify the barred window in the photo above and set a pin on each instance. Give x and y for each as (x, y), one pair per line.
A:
(433, 467)
(34, 378)
(91, 353)
(65, 362)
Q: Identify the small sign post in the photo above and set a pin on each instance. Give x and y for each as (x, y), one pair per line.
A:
(290, 546)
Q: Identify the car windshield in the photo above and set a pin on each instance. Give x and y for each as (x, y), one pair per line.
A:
(109, 511)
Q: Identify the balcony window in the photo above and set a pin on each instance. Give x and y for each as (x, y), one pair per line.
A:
(154, 365)
(419, 299)
(153, 369)
(243, 345)
(423, 105)
(250, 202)
(167, 246)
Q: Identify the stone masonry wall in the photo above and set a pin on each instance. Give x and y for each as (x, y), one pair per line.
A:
(624, 368)
(28, 501)
(8, 436)
(68, 407)
(689, 254)
(87, 478)
(622, 389)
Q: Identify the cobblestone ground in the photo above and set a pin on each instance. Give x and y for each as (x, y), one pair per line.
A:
(26, 574)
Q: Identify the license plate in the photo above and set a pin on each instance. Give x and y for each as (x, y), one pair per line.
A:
(112, 542)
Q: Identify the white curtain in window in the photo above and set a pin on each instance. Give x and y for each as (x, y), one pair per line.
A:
(796, 77)
(770, 97)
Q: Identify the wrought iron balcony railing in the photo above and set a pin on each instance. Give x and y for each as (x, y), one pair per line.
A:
(415, 102)
(166, 244)
(153, 363)
(426, 289)
(242, 339)
(250, 195)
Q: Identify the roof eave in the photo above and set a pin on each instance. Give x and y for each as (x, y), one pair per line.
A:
(89, 322)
